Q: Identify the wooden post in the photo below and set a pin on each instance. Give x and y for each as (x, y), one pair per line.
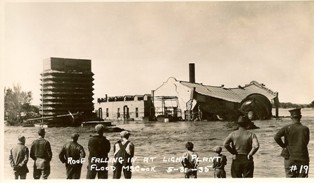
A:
(276, 101)
(152, 106)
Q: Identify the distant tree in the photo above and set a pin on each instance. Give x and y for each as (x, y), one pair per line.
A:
(289, 105)
(17, 105)
(311, 104)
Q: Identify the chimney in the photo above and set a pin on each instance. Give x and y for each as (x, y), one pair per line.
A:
(192, 72)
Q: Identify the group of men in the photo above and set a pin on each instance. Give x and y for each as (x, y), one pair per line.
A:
(73, 155)
(243, 144)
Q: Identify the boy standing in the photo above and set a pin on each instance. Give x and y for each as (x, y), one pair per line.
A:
(219, 163)
(190, 161)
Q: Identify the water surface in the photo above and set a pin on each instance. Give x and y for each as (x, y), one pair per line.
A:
(157, 145)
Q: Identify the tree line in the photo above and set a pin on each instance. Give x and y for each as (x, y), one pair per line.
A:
(292, 105)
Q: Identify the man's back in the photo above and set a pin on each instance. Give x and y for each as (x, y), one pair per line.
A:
(73, 150)
(243, 144)
(19, 158)
(242, 140)
(129, 147)
(19, 153)
(98, 146)
(41, 149)
(190, 159)
(296, 139)
(219, 161)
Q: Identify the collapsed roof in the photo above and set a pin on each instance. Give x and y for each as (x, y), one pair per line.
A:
(218, 100)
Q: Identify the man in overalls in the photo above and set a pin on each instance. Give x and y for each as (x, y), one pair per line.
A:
(123, 154)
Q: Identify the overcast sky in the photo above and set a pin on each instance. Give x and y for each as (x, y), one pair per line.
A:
(135, 47)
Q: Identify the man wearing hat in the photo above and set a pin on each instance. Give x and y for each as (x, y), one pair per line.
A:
(41, 154)
(243, 144)
(19, 158)
(294, 146)
(98, 147)
(73, 155)
(123, 151)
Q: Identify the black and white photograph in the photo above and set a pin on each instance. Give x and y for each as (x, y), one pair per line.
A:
(157, 90)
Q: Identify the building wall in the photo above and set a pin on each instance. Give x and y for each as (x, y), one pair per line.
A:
(172, 88)
(137, 109)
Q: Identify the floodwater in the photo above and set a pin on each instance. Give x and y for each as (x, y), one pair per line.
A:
(158, 146)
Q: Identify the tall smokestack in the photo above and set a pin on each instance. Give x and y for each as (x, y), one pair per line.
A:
(192, 72)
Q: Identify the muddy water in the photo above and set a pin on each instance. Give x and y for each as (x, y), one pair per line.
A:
(158, 145)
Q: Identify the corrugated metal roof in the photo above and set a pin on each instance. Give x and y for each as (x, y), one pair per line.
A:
(231, 94)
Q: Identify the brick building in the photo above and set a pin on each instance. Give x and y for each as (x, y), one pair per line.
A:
(129, 107)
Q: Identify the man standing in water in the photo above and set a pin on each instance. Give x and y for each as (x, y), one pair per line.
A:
(295, 151)
(243, 144)
(41, 153)
(98, 147)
